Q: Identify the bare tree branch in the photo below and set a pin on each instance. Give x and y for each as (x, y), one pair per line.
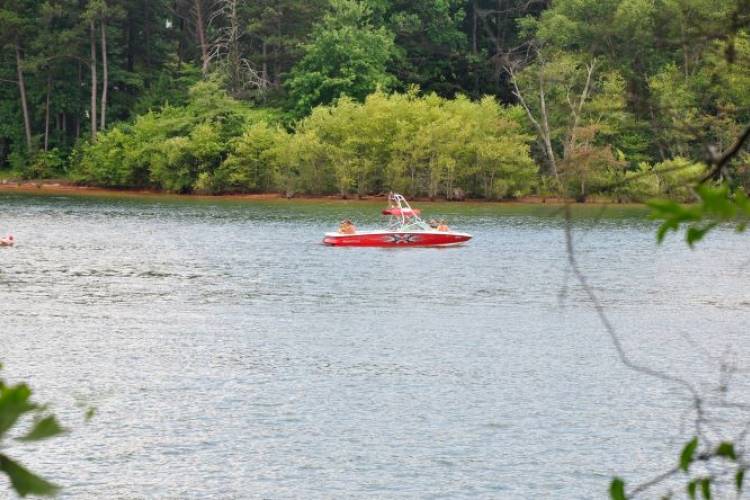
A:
(719, 160)
(609, 328)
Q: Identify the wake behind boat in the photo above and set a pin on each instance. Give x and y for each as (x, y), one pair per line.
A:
(405, 229)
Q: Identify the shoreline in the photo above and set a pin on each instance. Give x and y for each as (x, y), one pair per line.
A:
(53, 187)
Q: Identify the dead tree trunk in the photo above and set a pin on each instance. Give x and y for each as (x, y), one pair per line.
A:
(264, 70)
(474, 27)
(78, 106)
(105, 76)
(22, 90)
(547, 136)
(92, 27)
(541, 125)
(577, 109)
(46, 113)
(201, 33)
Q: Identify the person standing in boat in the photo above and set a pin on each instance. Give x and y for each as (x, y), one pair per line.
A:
(391, 200)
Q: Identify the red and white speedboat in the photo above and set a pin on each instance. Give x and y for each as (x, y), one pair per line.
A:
(405, 229)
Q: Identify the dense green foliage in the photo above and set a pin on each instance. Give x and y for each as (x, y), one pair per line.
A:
(617, 83)
(612, 91)
(347, 56)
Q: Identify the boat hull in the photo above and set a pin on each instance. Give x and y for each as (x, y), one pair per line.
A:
(396, 239)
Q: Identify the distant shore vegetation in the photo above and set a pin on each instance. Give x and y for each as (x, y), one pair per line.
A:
(422, 145)
(452, 100)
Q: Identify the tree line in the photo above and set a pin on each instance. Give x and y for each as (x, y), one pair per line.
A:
(451, 98)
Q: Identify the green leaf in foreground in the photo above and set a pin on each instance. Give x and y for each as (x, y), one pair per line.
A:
(14, 402)
(726, 449)
(716, 204)
(739, 478)
(718, 201)
(43, 429)
(617, 489)
(673, 214)
(706, 488)
(24, 481)
(691, 487)
(695, 234)
(686, 457)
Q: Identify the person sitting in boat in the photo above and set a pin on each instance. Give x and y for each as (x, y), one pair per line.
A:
(346, 227)
(443, 226)
(8, 241)
(433, 223)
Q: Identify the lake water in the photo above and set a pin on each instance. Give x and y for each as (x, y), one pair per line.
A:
(231, 355)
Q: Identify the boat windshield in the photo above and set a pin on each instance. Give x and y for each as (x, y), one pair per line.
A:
(414, 225)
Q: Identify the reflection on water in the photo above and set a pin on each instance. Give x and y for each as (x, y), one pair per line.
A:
(230, 354)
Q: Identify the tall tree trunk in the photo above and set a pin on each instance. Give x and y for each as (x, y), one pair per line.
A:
(547, 136)
(92, 27)
(474, 27)
(22, 90)
(276, 58)
(474, 46)
(46, 113)
(264, 70)
(200, 31)
(78, 105)
(234, 57)
(147, 33)
(180, 42)
(105, 76)
(576, 110)
(543, 127)
(129, 40)
(685, 53)
(497, 25)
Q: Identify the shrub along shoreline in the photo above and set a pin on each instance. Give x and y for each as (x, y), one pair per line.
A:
(423, 146)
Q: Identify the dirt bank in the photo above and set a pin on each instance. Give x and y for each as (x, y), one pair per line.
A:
(66, 187)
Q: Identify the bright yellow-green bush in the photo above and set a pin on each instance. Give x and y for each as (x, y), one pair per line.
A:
(252, 163)
(420, 145)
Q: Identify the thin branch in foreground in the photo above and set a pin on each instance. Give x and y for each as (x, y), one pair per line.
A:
(719, 160)
(713, 458)
(573, 262)
(654, 481)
